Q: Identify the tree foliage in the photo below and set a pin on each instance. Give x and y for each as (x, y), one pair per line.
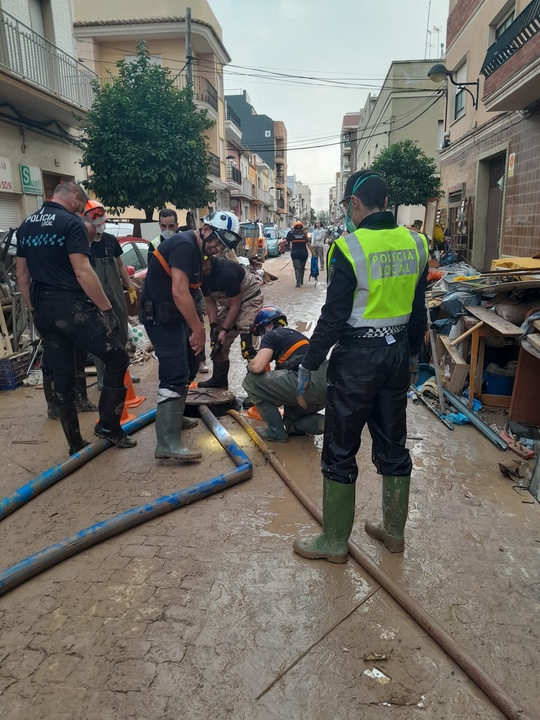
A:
(144, 140)
(409, 173)
(323, 217)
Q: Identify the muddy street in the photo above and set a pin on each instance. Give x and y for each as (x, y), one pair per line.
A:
(207, 612)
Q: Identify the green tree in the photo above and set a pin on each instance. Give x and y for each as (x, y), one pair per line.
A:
(144, 140)
(409, 173)
(312, 216)
(323, 217)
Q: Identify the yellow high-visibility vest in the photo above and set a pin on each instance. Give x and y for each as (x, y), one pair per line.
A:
(387, 265)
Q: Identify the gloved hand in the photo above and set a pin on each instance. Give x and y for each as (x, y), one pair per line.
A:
(413, 369)
(111, 321)
(132, 294)
(302, 385)
(214, 332)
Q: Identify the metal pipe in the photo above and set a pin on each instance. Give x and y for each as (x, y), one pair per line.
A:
(459, 655)
(57, 472)
(476, 421)
(52, 555)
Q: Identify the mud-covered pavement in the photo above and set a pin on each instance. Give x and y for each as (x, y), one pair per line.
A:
(207, 613)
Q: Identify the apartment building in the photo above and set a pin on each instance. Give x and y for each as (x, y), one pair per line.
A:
(107, 32)
(42, 88)
(490, 165)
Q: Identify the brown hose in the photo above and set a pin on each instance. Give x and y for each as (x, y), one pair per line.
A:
(498, 696)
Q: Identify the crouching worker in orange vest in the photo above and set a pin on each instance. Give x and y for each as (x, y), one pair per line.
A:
(270, 389)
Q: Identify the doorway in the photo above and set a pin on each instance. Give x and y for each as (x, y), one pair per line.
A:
(494, 209)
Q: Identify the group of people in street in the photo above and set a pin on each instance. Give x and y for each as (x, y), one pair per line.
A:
(372, 321)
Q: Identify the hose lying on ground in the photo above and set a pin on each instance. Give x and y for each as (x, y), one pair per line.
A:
(57, 472)
(52, 555)
(459, 655)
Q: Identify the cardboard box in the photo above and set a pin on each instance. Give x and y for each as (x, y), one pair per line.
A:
(453, 368)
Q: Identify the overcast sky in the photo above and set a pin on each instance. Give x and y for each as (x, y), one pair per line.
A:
(344, 40)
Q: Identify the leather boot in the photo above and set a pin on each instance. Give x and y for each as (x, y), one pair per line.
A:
(70, 425)
(275, 431)
(312, 424)
(169, 418)
(395, 507)
(111, 404)
(220, 376)
(48, 391)
(338, 519)
(83, 402)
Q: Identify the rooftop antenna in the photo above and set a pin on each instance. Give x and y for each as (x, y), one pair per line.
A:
(427, 30)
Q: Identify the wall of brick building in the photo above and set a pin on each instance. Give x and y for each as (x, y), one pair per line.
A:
(520, 225)
(459, 17)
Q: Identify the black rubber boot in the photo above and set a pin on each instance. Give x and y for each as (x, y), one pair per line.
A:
(169, 420)
(275, 431)
(48, 391)
(111, 404)
(83, 402)
(395, 508)
(220, 376)
(70, 425)
(312, 424)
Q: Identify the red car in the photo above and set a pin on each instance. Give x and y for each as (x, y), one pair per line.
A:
(135, 256)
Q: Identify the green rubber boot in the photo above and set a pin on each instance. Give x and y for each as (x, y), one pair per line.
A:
(338, 519)
(169, 420)
(275, 431)
(312, 424)
(395, 506)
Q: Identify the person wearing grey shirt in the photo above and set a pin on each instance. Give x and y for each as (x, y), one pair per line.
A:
(318, 237)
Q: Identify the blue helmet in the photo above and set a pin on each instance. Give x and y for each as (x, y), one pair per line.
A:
(265, 316)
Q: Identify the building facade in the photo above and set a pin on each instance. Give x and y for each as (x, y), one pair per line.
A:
(107, 32)
(491, 163)
(42, 88)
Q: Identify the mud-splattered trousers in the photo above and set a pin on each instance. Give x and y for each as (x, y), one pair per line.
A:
(65, 318)
(368, 381)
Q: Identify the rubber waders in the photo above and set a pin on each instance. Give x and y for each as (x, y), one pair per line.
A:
(312, 424)
(395, 506)
(275, 431)
(48, 391)
(83, 402)
(111, 404)
(220, 376)
(70, 425)
(338, 519)
(169, 419)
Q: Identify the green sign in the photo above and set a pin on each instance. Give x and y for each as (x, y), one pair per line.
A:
(31, 180)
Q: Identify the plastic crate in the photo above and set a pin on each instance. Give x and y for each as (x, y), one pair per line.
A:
(14, 369)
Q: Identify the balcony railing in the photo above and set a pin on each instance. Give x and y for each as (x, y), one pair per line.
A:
(203, 90)
(232, 116)
(281, 203)
(265, 197)
(34, 59)
(523, 29)
(215, 166)
(234, 175)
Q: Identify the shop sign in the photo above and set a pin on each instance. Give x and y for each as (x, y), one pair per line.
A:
(6, 178)
(31, 180)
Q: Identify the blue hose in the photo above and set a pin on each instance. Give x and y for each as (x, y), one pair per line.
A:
(57, 472)
(52, 555)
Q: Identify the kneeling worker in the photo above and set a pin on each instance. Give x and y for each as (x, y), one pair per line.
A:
(269, 390)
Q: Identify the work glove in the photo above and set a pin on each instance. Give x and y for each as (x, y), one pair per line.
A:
(302, 385)
(413, 369)
(132, 294)
(214, 332)
(111, 321)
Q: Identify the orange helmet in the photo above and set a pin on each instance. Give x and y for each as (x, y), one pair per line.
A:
(298, 223)
(95, 211)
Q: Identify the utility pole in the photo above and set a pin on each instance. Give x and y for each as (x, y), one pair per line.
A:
(189, 58)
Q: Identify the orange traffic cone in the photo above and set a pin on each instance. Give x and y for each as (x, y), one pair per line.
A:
(126, 416)
(253, 413)
(132, 399)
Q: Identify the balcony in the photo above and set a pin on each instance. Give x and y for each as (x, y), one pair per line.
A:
(215, 166)
(234, 175)
(233, 125)
(29, 57)
(281, 204)
(512, 64)
(247, 190)
(203, 90)
(265, 197)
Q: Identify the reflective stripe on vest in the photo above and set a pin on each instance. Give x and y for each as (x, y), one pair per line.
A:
(387, 265)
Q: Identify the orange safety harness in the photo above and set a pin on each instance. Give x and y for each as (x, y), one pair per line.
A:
(291, 350)
(166, 267)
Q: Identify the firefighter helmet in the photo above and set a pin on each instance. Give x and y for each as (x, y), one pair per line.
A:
(267, 315)
(95, 211)
(226, 227)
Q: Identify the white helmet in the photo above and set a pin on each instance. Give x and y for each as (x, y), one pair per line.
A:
(226, 226)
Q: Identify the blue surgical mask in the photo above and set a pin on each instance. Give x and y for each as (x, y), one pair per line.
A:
(166, 234)
(349, 222)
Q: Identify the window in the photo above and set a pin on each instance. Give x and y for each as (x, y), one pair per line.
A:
(504, 24)
(130, 256)
(154, 59)
(459, 98)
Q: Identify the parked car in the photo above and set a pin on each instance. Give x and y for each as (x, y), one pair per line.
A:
(253, 240)
(274, 240)
(135, 256)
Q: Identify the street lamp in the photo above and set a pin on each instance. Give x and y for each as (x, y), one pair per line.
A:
(439, 72)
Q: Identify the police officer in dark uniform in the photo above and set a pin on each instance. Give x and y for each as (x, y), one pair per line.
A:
(70, 308)
(375, 315)
(299, 243)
